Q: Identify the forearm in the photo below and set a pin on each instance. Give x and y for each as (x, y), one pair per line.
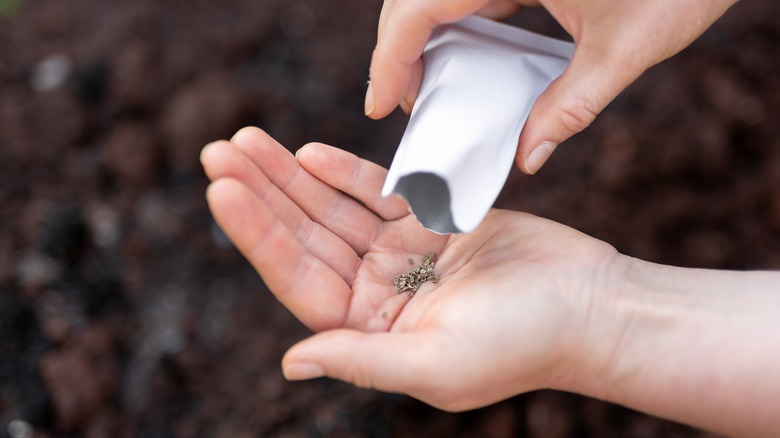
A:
(697, 346)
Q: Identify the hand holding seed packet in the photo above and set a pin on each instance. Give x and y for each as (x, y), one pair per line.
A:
(481, 79)
(616, 42)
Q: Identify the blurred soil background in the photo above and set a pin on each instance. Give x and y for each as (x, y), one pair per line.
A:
(124, 311)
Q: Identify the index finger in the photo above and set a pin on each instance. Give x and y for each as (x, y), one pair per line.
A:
(405, 27)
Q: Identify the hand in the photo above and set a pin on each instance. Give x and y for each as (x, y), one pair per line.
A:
(522, 303)
(507, 315)
(616, 42)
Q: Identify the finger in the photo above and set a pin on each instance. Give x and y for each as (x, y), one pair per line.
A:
(325, 205)
(413, 90)
(223, 160)
(499, 9)
(356, 177)
(310, 289)
(405, 27)
(570, 104)
(394, 362)
(387, 6)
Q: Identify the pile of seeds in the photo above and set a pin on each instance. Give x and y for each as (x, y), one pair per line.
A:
(422, 273)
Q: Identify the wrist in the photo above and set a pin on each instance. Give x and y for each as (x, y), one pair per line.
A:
(640, 316)
(691, 345)
(605, 324)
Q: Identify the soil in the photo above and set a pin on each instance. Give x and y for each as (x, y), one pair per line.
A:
(124, 311)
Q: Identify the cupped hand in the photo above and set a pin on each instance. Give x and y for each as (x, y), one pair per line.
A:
(617, 41)
(508, 314)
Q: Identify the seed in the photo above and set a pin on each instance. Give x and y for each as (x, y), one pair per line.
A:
(411, 281)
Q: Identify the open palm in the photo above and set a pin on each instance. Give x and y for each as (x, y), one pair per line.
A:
(328, 246)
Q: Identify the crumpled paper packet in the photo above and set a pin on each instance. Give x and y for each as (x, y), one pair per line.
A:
(480, 80)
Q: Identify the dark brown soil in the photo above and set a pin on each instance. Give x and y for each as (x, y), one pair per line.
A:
(125, 312)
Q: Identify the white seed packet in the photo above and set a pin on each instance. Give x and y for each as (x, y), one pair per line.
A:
(480, 80)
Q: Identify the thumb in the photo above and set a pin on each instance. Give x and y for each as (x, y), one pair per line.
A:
(385, 361)
(569, 105)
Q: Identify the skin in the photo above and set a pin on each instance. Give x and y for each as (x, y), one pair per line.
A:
(616, 42)
(522, 303)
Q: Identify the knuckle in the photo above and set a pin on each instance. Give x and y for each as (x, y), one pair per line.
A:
(362, 380)
(448, 401)
(446, 404)
(577, 114)
(436, 388)
(360, 377)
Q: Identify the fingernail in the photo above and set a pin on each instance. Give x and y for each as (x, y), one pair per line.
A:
(539, 156)
(405, 107)
(302, 371)
(369, 105)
